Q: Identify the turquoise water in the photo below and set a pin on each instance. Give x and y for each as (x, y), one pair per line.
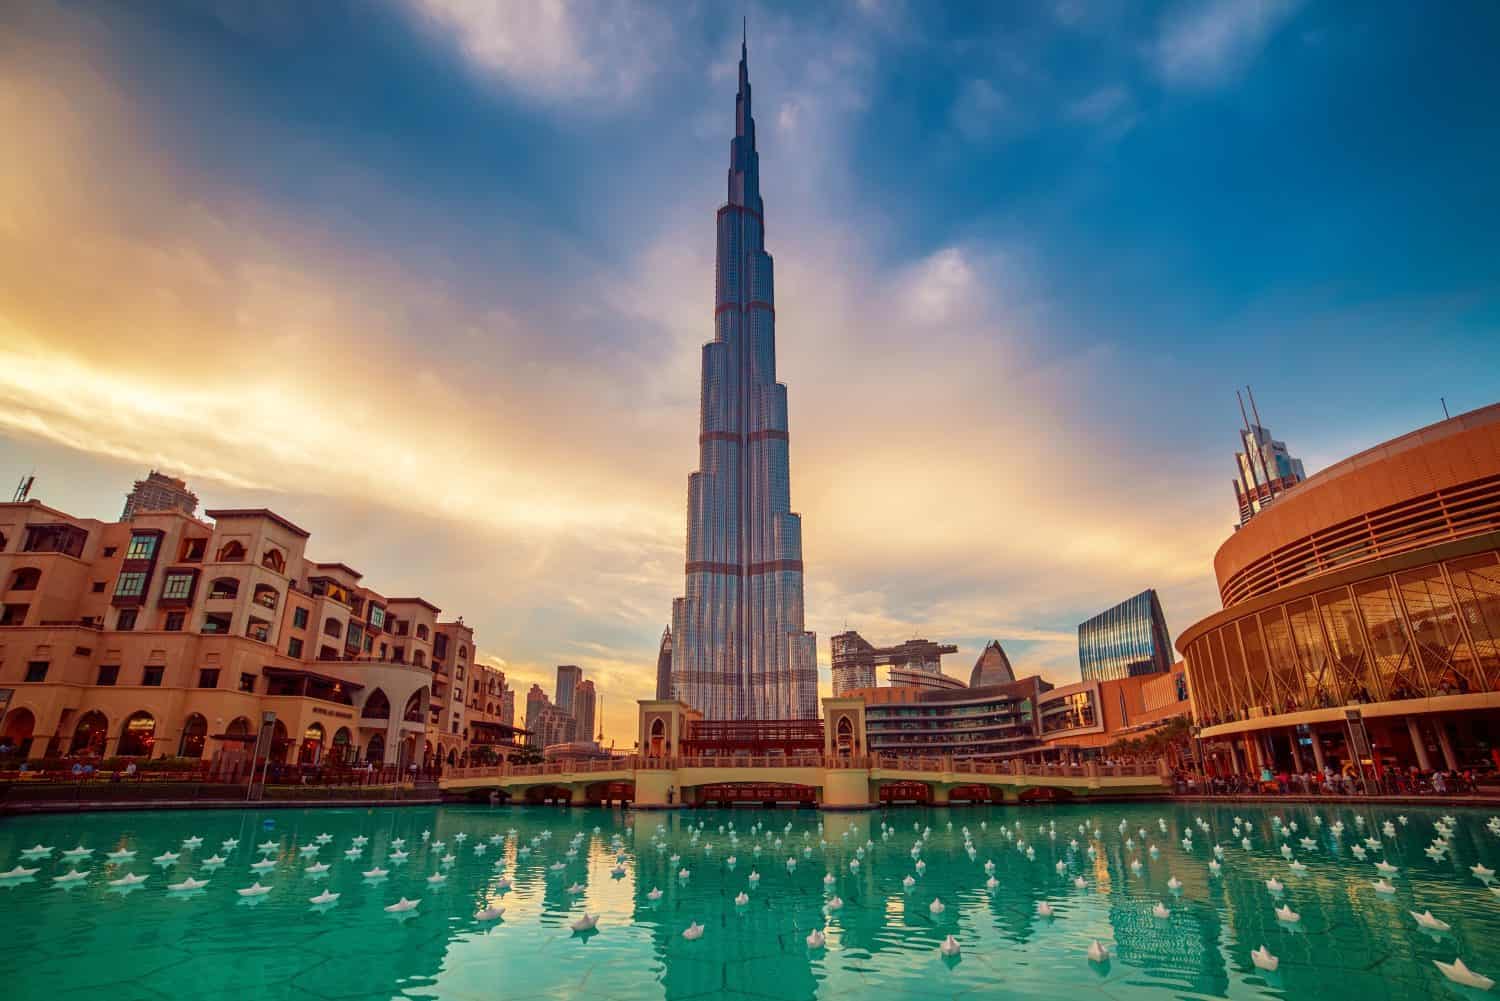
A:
(145, 942)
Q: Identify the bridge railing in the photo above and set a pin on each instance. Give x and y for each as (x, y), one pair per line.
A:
(959, 766)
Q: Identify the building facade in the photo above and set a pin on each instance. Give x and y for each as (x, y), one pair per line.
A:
(992, 667)
(998, 721)
(1127, 640)
(664, 665)
(1079, 721)
(159, 492)
(855, 660)
(1363, 608)
(1264, 468)
(739, 648)
(585, 703)
(171, 636)
(568, 677)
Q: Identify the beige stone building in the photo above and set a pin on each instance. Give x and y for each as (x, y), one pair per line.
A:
(166, 635)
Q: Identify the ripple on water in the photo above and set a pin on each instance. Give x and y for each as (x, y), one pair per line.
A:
(1350, 943)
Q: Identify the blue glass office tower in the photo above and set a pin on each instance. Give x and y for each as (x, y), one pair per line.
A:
(1125, 641)
(739, 650)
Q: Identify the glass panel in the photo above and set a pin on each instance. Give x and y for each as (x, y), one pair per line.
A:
(1318, 677)
(1446, 660)
(1257, 672)
(1400, 675)
(1199, 670)
(1476, 583)
(1352, 668)
(1286, 673)
(1238, 691)
(1222, 692)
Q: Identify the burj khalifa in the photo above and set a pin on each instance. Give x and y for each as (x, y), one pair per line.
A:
(739, 649)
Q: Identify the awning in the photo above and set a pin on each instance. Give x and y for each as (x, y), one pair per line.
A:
(271, 671)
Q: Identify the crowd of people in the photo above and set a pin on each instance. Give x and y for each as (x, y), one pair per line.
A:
(1411, 781)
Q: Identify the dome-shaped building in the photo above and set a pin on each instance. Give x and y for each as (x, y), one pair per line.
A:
(992, 667)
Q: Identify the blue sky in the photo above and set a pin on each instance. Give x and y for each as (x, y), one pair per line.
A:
(430, 278)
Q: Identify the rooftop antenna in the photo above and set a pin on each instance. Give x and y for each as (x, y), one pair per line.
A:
(1254, 410)
(23, 489)
(1444, 401)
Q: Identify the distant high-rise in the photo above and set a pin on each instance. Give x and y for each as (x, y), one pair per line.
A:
(739, 647)
(568, 677)
(159, 492)
(584, 701)
(1265, 468)
(992, 667)
(664, 666)
(508, 707)
(1125, 641)
(856, 658)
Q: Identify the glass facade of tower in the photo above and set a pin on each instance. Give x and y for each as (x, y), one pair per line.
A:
(1125, 641)
(739, 650)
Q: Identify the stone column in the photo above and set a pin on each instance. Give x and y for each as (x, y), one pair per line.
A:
(1317, 746)
(393, 738)
(1445, 744)
(1414, 730)
(1297, 764)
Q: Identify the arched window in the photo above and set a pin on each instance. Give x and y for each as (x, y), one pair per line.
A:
(224, 587)
(416, 706)
(90, 734)
(377, 706)
(375, 749)
(138, 735)
(273, 560)
(194, 736)
(26, 579)
(658, 737)
(342, 749)
(19, 726)
(845, 735)
(463, 651)
(266, 596)
(422, 633)
(419, 658)
(333, 627)
(239, 728)
(231, 552)
(280, 742)
(311, 750)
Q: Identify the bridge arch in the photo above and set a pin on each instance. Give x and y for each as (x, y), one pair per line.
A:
(550, 793)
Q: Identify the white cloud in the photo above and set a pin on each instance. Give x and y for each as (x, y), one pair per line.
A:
(559, 49)
(1202, 45)
(1111, 109)
(980, 110)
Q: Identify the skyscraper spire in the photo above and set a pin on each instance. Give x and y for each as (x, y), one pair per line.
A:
(739, 650)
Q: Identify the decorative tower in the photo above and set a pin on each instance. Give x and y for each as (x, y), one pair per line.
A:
(739, 650)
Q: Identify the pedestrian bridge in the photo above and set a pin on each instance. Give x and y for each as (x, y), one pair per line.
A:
(829, 781)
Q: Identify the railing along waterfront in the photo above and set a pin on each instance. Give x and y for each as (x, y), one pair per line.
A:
(961, 766)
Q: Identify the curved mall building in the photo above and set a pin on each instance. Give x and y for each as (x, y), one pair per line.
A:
(1362, 605)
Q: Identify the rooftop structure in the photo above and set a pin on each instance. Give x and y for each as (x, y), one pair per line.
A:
(159, 492)
(916, 661)
(1264, 468)
(992, 667)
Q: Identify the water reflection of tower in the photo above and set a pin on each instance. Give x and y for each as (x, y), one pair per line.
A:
(1186, 947)
(737, 945)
